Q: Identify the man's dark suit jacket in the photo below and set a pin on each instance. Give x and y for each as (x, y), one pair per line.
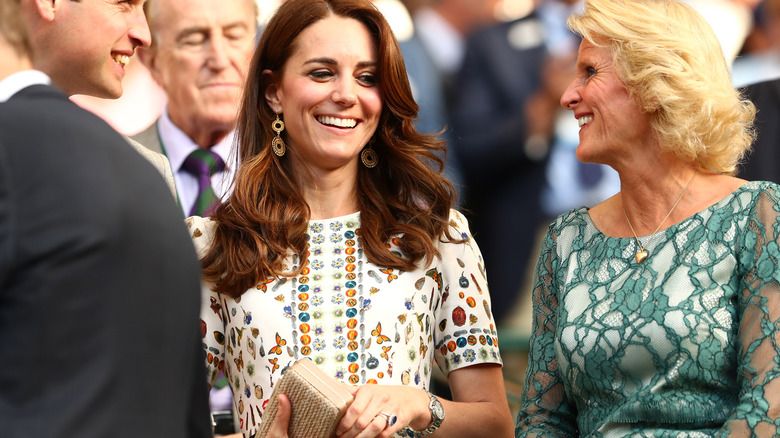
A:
(99, 283)
(763, 164)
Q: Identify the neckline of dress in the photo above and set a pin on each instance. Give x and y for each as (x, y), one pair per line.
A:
(725, 200)
(354, 215)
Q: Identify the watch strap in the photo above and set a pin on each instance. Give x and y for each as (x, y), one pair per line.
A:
(435, 420)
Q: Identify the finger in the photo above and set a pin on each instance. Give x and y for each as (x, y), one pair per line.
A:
(360, 402)
(282, 420)
(377, 425)
(392, 426)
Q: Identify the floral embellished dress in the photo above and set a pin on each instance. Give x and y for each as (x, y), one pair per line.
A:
(686, 344)
(359, 322)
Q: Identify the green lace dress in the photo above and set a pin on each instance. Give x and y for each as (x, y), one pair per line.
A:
(685, 344)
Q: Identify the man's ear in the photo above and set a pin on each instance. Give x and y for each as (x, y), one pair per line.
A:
(47, 8)
(272, 93)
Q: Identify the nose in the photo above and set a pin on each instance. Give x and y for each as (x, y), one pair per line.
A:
(217, 58)
(139, 30)
(344, 94)
(571, 96)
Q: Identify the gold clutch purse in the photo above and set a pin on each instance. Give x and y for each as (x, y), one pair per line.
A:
(318, 402)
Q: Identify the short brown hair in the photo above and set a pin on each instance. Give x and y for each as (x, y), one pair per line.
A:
(12, 28)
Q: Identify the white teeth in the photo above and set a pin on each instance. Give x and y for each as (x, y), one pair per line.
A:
(122, 60)
(335, 121)
(584, 120)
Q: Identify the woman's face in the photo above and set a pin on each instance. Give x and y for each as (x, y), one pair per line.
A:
(611, 124)
(328, 94)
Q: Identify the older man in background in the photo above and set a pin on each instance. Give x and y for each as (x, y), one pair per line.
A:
(199, 55)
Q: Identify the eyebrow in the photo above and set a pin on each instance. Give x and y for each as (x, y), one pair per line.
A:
(187, 31)
(331, 61)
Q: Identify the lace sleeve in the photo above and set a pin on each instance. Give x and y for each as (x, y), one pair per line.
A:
(545, 411)
(758, 411)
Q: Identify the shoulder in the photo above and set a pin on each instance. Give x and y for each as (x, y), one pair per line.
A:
(158, 160)
(155, 158)
(457, 219)
(202, 231)
(149, 138)
(761, 193)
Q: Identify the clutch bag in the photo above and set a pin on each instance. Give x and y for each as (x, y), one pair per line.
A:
(318, 402)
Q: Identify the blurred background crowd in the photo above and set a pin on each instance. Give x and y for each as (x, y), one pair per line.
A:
(489, 74)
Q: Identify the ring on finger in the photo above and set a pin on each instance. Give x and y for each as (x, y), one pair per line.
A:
(391, 418)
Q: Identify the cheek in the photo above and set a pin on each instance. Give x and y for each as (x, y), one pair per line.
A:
(373, 104)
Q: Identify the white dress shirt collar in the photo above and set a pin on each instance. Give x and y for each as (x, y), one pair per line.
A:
(20, 80)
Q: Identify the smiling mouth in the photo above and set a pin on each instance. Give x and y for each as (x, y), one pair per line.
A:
(337, 122)
(121, 59)
(584, 120)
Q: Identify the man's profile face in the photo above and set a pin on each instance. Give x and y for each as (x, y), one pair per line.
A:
(92, 44)
(200, 58)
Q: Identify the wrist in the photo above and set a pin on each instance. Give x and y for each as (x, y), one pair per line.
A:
(432, 419)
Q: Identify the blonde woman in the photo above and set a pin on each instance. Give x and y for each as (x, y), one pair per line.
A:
(656, 311)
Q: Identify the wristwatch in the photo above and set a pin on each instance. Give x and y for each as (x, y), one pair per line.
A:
(437, 415)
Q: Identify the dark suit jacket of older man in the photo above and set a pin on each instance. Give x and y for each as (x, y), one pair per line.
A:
(99, 283)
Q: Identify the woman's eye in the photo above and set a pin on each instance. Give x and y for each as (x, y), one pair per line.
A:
(367, 79)
(590, 71)
(321, 74)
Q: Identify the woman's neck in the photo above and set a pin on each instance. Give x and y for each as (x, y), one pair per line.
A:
(330, 195)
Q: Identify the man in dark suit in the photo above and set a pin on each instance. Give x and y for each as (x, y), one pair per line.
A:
(99, 282)
(84, 49)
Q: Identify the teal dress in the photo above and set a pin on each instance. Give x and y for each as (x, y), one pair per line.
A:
(685, 344)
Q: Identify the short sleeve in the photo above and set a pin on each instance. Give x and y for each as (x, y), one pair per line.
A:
(212, 317)
(465, 333)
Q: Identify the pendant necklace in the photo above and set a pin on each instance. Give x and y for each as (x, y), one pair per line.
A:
(642, 254)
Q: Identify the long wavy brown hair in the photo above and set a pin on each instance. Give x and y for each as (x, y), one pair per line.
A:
(266, 217)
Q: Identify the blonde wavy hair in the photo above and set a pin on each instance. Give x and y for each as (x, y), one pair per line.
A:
(673, 66)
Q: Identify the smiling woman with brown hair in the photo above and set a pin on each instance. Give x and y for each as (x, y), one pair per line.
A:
(339, 243)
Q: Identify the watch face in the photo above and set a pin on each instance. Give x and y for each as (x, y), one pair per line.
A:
(437, 409)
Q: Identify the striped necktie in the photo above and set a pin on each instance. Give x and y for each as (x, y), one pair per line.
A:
(203, 163)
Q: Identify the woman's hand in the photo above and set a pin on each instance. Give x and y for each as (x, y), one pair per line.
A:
(374, 406)
(282, 420)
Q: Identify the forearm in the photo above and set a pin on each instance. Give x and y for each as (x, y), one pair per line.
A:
(479, 406)
(475, 419)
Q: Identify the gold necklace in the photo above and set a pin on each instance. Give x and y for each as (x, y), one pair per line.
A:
(642, 254)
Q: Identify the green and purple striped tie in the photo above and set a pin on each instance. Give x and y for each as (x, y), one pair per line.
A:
(203, 163)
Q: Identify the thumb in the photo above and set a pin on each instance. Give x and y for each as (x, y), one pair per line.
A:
(282, 419)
